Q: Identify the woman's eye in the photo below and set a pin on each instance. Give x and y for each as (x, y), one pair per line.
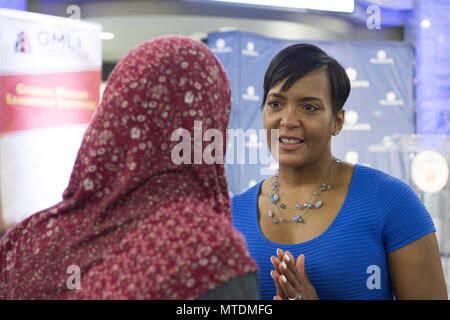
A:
(310, 107)
(273, 104)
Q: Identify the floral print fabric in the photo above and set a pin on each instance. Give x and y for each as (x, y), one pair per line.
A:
(135, 224)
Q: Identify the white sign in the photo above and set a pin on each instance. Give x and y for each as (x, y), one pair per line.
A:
(59, 44)
(36, 161)
(429, 171)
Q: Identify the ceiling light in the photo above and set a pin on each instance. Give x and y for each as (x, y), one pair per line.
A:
(325, 5)
(425, 23)
(106, 35)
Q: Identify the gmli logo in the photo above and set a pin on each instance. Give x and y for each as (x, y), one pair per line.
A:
(22, 43)
(48, 40)
(53, 40)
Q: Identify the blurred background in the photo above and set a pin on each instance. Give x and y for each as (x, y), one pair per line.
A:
(55, 57)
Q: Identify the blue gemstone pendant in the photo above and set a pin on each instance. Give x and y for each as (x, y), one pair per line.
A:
(274, 198)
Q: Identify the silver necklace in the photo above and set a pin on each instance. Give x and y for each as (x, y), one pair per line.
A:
(314, 204)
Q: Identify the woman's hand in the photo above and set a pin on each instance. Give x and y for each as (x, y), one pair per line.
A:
(291, 280)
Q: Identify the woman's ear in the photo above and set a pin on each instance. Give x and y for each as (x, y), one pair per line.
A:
(339, 122)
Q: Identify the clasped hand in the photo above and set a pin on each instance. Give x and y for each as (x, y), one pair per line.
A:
(290, 278)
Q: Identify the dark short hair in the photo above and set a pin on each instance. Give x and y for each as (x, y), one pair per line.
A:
(295, 61)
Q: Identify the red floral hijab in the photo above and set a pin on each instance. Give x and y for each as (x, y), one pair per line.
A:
(132, 223)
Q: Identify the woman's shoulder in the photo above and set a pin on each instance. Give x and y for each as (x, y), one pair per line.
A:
(373, 178)
(392, 193)
(384, 181)
(365, 171)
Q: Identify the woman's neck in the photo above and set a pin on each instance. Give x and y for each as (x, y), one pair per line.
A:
(306, 175)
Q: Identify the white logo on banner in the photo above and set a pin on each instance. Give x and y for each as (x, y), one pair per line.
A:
(352, 75)
(381, 58)
(221, 47)
(352, 157)
(250, 50)
(250, 95)
(351, 122)
(391, 100)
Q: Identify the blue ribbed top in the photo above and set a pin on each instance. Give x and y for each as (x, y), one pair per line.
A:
(348, 260)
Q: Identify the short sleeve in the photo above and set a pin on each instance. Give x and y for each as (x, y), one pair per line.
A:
(402, 217)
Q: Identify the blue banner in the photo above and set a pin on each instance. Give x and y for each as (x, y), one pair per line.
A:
(433, 67)
(14, 4)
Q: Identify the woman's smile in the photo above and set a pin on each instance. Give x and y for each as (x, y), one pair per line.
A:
(290, 143)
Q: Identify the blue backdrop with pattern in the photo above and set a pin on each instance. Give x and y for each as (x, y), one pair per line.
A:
(381, 101)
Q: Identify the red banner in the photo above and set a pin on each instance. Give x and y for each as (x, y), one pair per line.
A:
(31, 101)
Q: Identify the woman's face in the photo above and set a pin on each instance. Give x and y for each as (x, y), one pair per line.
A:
(304, 116)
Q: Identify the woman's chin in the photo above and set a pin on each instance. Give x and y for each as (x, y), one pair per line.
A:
(291, 161)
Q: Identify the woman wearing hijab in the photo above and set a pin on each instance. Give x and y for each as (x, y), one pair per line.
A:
(132, 223)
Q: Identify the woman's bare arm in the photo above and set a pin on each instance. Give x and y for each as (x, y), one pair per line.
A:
(416, 270)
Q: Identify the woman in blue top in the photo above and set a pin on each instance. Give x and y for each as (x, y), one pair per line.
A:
(357, 232)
